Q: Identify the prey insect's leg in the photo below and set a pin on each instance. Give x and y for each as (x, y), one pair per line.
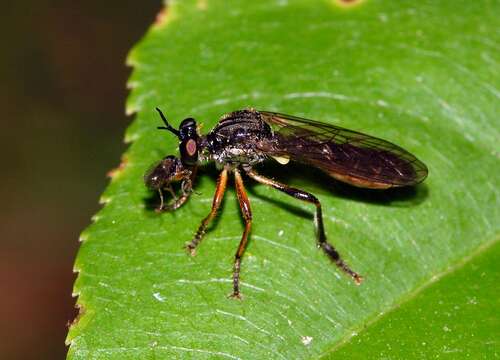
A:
(219, 194)
(318, 220)
(160, 208)
(178, 202)
(187, 189)
(247, 215)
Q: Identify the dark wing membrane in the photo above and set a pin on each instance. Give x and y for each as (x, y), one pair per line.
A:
(356, 158)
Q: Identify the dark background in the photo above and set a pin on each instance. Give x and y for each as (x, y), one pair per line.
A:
(62, 94)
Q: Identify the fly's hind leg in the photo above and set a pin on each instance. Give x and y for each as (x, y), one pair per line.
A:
(318, 220)
(219, 195)
(247, 216)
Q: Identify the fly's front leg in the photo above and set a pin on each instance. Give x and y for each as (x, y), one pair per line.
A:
(318, 220)
(247, 216)
(219, 195)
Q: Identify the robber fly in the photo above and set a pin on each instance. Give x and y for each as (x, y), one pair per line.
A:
(244, 138)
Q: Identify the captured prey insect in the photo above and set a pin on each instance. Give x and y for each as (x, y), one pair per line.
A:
(244, 138)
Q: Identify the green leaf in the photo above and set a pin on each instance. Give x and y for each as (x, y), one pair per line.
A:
(456, 317)
(421, 74)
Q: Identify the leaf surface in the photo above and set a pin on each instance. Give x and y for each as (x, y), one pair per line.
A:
(423, 75)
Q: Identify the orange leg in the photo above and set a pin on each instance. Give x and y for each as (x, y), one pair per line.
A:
(219, 195)
(247, 216)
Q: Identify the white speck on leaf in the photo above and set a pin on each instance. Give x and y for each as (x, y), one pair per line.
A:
(382, 103)
(306, 340)
(472, 301)
(158, 297)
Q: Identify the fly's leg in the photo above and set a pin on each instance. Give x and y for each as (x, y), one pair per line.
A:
(247, 216)
(219, 195)
(318, 220)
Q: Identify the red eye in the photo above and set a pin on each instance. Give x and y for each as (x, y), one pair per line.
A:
(191, 147)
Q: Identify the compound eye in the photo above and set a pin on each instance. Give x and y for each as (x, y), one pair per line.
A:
(191, 147)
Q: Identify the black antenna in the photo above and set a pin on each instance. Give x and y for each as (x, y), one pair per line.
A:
(167, 125)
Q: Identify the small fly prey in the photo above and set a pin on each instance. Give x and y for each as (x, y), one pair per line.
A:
(244, 138)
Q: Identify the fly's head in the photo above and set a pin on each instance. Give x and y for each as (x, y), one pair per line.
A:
(171, 170)
(188, 139)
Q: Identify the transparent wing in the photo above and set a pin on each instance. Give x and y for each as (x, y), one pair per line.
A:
(359, 159)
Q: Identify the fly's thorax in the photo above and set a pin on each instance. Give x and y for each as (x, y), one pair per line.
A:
(237, 147)
(241, 126)
(236, 137)
(236, 156)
